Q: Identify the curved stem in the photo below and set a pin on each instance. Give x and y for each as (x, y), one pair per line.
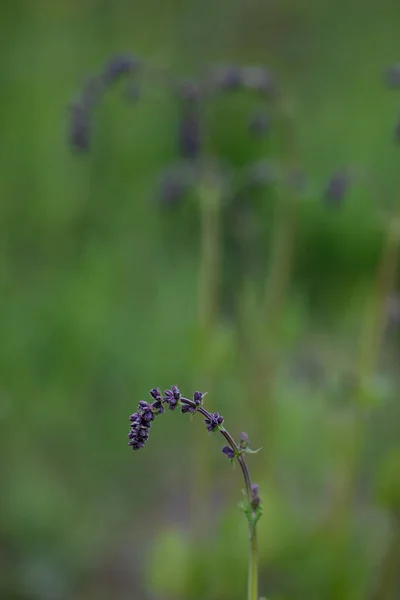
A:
(252, 588)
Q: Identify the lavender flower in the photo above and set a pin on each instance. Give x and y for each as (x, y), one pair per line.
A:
(146, 411)
(255, 499)
(156, 394)
(228, 451)
(157, 404)
(198, 398)
(213, 421)
(172, 397)
(140, 425)
(118, 66)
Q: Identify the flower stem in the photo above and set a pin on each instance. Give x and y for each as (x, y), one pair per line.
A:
(252, 588)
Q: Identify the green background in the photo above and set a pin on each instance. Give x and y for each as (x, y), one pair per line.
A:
(104, 294)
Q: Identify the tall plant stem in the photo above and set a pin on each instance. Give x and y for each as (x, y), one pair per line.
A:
(252, 587)
(252, 590)
(370, 346)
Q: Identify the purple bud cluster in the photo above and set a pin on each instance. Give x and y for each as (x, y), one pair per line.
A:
(243, 445)
(229, 452)
(189, 407)
(255, 499)
(81, 110)
(140, 425)
(172, 397)
(213, 421)
(142, 419)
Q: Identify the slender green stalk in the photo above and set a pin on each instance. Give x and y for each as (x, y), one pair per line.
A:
(372, 336)
(252, 587)
(252, 590)
(208, 302)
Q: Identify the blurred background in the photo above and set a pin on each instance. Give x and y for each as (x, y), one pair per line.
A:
(278, 297)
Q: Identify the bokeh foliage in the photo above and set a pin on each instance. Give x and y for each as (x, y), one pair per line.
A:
(100, 302)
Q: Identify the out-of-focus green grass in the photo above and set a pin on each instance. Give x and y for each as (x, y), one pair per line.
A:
(99, 303)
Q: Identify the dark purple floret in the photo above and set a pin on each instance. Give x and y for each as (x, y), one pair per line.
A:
(118, 66)
(198, 398)
(255, 499)
(176, 392)
(146, 411)
(213, 422)
(392, 76)
(140, 424)
(189, 136)
(157, 404)
(228, 451)
(156, 394)
(79, 126)
(172, 397)
(186, 408)
(337, 187)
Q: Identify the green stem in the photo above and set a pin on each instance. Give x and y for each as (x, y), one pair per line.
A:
(252, 590)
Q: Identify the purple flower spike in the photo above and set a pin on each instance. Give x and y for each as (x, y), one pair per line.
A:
(118, 66)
